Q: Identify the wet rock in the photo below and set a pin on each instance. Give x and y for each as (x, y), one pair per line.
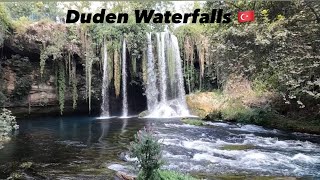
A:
(124, 172)
(125, 176)
(143, 113)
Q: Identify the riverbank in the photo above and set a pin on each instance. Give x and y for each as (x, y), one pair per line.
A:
(247, 107)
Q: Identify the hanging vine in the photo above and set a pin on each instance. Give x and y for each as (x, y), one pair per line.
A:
(74, 84)
(110, 66)
(117, 72)
(144, 68)
(61, 85)
(43, 57)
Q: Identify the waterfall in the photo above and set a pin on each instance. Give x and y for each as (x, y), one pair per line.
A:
(105, 84)
(172, 98)
(180, 83)
(162, 64)
(124, 81)
(151, 87)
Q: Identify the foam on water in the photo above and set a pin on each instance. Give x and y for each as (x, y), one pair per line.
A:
(169, 109)
(254, 128)
(202, 149)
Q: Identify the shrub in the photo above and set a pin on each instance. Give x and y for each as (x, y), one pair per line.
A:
(172, 175)
(7, 123)
(195, 122)
(22, 87)
(148, 152)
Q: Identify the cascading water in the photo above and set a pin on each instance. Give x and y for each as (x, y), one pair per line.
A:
(175, 104)
(124, 81)
(105, 84)
(180, 84)
(151, 88)
(162, 64)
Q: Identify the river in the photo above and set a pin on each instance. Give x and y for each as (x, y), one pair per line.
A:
(79, 147)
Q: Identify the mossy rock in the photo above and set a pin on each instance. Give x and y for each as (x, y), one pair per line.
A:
(237, 147)
(26, 165)
(193, 121)
(143, 113)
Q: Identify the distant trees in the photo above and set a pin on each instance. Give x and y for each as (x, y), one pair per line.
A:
(34, 10)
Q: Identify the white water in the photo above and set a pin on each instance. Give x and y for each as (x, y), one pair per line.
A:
(180, 84)
(124, 81)
(151, 88)
(172, 101)
(105, 84)
(162, 64)
(266, 152)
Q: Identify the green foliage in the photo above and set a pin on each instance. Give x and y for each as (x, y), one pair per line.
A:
(237, 147)
(240, 113)
(20, 25)
(4, 18)
(74, 85)
(54, 50)
(22, 68)
(172, 175)
(7, 123)
(22, 87)
(148, 151)
(195, 122)
(5, 23)
(278, 52)
(34, 10)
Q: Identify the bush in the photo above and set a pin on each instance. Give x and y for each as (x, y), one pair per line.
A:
(7, 123)
(195, 122)
(22, 87)
(171, 175)
(148, 151)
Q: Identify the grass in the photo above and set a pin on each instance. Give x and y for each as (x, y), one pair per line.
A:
(195, 122)
(172, 175)
(237, 147)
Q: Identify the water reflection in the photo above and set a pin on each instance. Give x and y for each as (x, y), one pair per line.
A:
(124, 125)
(69, 145)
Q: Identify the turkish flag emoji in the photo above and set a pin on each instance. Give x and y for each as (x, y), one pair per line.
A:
(245, 16)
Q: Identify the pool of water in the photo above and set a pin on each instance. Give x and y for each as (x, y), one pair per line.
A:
(84, 147)
(68, 147)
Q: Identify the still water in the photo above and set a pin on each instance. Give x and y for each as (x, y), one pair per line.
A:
(84, 147)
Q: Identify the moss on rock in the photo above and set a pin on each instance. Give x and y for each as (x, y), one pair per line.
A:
(193, 121)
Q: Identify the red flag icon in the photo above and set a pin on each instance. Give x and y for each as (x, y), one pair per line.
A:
(245, 16)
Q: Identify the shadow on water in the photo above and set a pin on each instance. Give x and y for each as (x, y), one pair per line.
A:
(68, 147)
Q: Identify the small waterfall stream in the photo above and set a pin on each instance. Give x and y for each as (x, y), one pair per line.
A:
(162, 64)
(172, 101)
(180, 84)
(151, 88)
(105, 84)
(124, 80)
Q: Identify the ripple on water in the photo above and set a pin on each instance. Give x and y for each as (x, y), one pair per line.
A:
(266, 155)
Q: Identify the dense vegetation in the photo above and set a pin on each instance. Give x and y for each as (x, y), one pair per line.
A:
(276, 56)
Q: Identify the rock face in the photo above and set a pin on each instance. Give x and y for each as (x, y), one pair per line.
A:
(23, 87)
